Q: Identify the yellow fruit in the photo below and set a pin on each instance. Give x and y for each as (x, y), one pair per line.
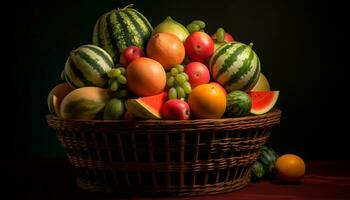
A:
(207, 101)
(262, 84)
(289, 168)
(56, 96)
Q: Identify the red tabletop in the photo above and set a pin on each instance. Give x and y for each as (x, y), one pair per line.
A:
(53, 179)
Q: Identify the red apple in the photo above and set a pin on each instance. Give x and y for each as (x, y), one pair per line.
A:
(130, 54)
(228, 37)
(219, 86)
(176, 109)
(199, 46)
(198, 73)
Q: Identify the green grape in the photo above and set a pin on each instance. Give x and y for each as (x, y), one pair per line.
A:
(180, 92)
(121, 79)
(122, 94)
(170, 82)
(180, 68)
(172, 93)
(220, 35)
(185, 75)
(187, 87)
(168, 74)
(180, 78)
(114, 85)
(122, 70)
(200, 23)
(114, 73)
(174, 71)
(193, 27)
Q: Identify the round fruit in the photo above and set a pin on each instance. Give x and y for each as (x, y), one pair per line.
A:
(227, 37)
(235, 66)
(114, 109)
(198, 73)
(130, 54)
(289, 168)
(207, 101)
(199, 46)
(56, 96)
(218, 85)
(145, 77)
(88, 66)
(238, 104)
(176, 109)
(84, 103)
(116, 30)
(171, 26)
(167, 49)
(262, 84)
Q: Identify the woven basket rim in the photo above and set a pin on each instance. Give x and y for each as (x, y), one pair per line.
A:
(274, 111)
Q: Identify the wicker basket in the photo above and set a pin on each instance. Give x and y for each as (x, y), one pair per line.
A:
(183, 158)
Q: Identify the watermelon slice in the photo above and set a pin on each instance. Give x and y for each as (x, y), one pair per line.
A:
(263, 101)
(147, 107)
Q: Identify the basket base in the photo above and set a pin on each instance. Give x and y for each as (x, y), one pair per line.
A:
(196, 190)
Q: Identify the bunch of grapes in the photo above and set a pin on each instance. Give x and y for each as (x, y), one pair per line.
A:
(177, 83)
(195, 26)
(117, 82)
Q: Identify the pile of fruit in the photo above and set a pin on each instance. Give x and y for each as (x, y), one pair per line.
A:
(134, 71)
(288, 168)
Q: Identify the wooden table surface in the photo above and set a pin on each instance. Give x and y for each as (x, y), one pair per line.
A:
(54, 179)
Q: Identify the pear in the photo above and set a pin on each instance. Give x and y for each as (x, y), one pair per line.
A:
(171, 26)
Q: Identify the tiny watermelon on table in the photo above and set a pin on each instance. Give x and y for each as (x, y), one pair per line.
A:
(147, 107)
(263, 101)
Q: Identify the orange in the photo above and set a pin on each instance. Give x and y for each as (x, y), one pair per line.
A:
(289, 168)
(207, 101)
(167, 49)
(145, 77)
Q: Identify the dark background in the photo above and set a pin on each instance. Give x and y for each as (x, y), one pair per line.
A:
(298, 42)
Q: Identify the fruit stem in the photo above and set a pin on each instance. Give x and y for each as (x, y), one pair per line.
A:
(251, 45)
(168, 18)
(128, 6)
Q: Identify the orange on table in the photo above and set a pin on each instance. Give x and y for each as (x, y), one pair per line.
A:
(289, 168)
(167, 49)
(146, 77)
(207, 101)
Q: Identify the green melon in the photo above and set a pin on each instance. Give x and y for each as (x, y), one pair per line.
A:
(257, 170)
(147, 107)
(235, 66)
(85, 103)
(88, 66)
(268, 158)
(120, 28)
(238, 103)
(262, 84)
(114, 109)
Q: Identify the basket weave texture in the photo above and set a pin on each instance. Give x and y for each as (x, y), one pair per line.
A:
(182, 158)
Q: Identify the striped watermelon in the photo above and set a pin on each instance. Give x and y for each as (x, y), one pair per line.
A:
(116, 30)
(235, 66)
(88, 66)
(238, 103)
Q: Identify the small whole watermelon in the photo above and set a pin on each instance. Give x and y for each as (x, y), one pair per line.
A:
(238, 104)
(235, 66)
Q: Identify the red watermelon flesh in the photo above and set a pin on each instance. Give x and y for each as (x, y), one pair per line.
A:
(263, 101)
(147, 107)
